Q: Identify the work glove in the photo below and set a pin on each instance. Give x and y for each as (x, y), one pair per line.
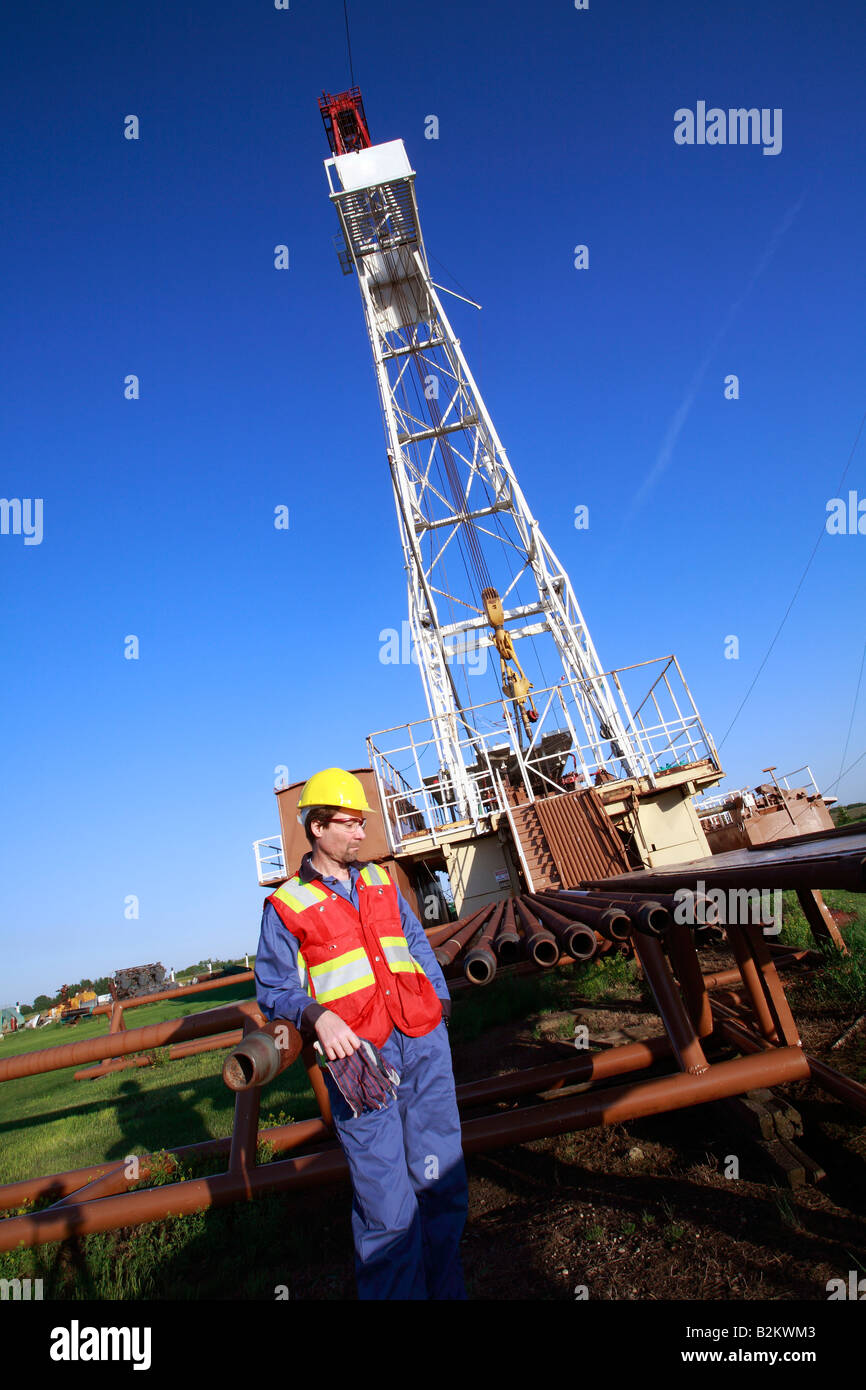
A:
(365, 1080)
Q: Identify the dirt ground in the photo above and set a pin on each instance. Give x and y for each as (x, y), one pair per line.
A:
(644, 1210)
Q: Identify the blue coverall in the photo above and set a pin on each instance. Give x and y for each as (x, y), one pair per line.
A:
(406, 1160)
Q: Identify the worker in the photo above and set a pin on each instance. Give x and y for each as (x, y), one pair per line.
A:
(342, 957)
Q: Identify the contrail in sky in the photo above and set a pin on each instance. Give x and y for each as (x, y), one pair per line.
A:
(681, 414)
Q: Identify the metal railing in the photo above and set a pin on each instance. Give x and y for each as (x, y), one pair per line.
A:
(811, 780)
(417, 787)
(270, 861)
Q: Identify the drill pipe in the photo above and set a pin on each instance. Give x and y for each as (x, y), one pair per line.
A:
(579, 940)
(541, 945)
(105, 1178)
(479, 967)
(198, 1025)
(437, 936)
(262, 1055)
(611, 922)
(119, 1064)
(215, 1044)
(176, 992)
(613, 1106)
(507, 942)
(175, 1053)
(701, 901)
(648, 915)
(450, 949)
(736, 1030)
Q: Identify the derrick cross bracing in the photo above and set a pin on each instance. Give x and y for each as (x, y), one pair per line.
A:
(682, 1067)
(459, 504)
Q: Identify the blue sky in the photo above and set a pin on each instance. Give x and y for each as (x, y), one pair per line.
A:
(260, 647)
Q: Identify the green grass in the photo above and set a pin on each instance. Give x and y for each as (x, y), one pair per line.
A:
(508, 998)
(243, 1251)
(840, 982)
(51, 1122)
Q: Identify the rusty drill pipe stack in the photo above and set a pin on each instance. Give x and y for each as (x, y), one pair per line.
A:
(448, 952)
(480, 964)
(506, 944)
(541, 945)
(576, 938)
(648, 915)
(610, 922)
(262, 1055)
(437, 936)
(199, 1025)
(703, 908)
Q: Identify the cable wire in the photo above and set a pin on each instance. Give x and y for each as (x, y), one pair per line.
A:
(821, 535)
(851, 720)
(349, 44)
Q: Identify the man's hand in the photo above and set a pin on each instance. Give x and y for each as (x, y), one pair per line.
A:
(336, 1037)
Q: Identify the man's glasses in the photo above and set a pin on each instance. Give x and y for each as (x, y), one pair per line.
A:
(344, 820)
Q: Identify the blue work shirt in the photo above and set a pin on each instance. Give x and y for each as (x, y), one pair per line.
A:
(278, 983)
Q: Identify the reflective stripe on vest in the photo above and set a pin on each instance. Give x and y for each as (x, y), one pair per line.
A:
(298, 895)
(397, 954)
(343, 975)
(373, 875)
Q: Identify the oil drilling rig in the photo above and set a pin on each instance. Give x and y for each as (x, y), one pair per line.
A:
(534, 765)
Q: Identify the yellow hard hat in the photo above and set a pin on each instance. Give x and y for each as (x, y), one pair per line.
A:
(333, 787)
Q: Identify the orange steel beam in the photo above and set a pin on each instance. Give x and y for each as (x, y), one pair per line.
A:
(843, 1087)
(245, 1130)
(752, 981)
(178, 1051)
(177, 993)
(722, 978)
(215, 1044)
(685, 963)
(613, 1106)
(820, 920)
(132, 1040)
(786, 1028)
(280, 1138)
(595, 1066)
(680, 1028)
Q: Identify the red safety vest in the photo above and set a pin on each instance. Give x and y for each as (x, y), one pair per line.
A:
(358, 964)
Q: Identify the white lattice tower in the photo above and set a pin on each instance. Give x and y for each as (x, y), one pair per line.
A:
(459, 504)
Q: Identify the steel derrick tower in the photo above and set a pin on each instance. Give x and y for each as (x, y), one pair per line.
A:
(480, 572)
